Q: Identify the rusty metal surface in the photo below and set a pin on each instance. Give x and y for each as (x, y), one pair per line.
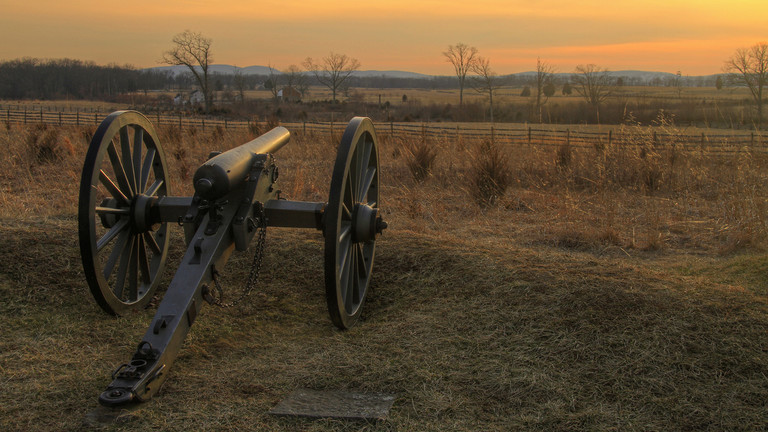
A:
(335, 404)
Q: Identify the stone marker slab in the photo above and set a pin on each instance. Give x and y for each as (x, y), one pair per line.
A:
(102, 417)
(335, 404)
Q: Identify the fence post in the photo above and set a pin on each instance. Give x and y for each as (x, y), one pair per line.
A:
(304, 127)
(95, 118)
(8, 115)
(77, 117)
(752, 139)
(203, 124)
(654, 139)
(529, 134)
(568, 137)
(41, 115)
(391, 128)
(25, 115)
(225, 124)
(179, 120)
(610, 137)
(59, 118)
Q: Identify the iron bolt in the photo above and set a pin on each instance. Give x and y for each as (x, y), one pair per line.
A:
(380, 225)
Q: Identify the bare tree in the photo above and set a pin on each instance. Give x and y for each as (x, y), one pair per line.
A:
(594, 84)
(544, 73)
(240, 83)
(333, 70)
(462, 57)
(295, 78)
(486, 81)
(274, 80)
(749, 67)
(193, 50)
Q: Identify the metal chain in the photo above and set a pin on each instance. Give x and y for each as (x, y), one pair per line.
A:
(216, 295)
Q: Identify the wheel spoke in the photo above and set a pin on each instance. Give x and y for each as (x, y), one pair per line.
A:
(355, 170)
(345, 213)
(125, 146)
(112, 188)
(112, 210)
(133, 271)
(353, 290)
(121, 225)
(152, 190)
(362, 264)
(344, 241)
(346, 229)
(365, 160)
(349, 191)
(122, 270)
(344, 267)
(150, 241)
(144, 271)
(370, 173)
(119, 170)
(116, 253)
(138, 139)
(149, 159)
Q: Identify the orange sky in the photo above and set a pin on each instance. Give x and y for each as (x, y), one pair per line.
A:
(691, 36)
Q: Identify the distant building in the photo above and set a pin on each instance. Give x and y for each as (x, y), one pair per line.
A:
(289, 94)
(194, 98)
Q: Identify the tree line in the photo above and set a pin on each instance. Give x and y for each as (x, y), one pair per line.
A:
(29, 78)
(32, 78)
(747, 67)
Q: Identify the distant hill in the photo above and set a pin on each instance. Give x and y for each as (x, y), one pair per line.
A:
(642, 75)
(217, 68)
(632, 75)
(264, 70)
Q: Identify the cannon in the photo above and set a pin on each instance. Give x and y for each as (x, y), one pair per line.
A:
(126, 208)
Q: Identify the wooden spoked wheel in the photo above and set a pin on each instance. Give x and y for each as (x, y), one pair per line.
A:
(122, 243)
(352, 222)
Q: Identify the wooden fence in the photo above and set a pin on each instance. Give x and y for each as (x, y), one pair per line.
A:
(505, 133)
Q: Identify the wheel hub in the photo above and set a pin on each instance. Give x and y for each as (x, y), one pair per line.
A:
(141, 210)
(366, 223)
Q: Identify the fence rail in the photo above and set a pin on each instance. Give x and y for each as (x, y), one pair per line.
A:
(502, 133)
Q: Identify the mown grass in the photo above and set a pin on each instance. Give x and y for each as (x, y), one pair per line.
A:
(584, 298)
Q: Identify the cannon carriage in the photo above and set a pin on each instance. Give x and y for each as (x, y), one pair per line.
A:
(126, 208)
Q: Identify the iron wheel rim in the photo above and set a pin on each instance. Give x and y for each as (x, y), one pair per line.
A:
(124, 171)
(349, 263)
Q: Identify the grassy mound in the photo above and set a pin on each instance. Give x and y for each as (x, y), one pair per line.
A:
(562, 306)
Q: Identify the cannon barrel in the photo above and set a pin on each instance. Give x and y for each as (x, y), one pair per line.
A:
(222, 173)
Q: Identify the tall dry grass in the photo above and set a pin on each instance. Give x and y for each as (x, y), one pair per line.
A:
(636, 194)
(577, 300)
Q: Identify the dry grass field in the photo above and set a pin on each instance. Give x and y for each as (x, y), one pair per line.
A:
(517, 288)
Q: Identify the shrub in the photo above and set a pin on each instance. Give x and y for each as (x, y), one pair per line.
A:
(44, 144)
(489, 173)
(420, 159)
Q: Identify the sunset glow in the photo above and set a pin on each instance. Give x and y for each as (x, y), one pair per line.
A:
(694, 37)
